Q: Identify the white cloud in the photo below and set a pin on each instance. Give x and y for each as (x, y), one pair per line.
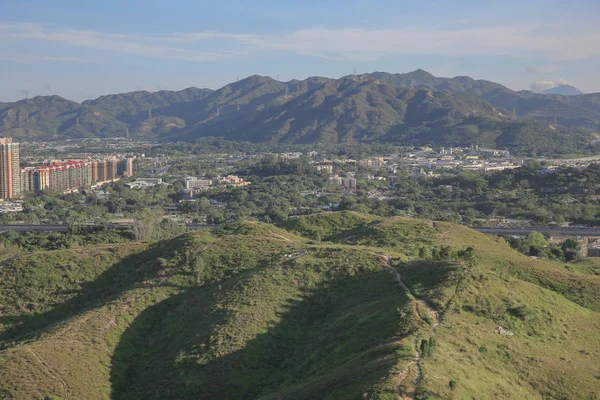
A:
(543, 69)
(34, 58)
(343, 43)
(143, 46)
(548, 84)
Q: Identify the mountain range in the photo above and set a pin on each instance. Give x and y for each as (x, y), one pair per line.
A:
(410, 108)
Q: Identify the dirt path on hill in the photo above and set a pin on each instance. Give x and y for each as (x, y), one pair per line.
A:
(281, 237)
(443, 234)
(434, 316)
(47, 371)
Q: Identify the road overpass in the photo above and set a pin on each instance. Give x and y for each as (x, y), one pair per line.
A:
(34, 228)
(65, 228)
(566, 231)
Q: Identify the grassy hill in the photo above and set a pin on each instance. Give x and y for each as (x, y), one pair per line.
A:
(332, 306)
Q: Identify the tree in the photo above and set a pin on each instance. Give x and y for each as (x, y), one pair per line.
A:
(198, 268)
(570, 248)
(467, 256)
(145, 222)
(536, 244)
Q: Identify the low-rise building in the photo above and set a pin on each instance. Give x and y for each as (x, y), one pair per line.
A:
(197, 183)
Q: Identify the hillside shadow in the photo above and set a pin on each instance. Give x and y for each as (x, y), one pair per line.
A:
(432, 281)
(334, 339)
(131, 272)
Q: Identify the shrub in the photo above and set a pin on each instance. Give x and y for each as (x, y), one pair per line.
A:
(452, 383)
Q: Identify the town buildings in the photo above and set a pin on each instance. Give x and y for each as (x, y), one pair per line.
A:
(232, 180)
(10, 177)
(192, 183)
(348, 182)
(71, 175)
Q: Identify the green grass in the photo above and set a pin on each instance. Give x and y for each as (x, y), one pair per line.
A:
(226, 315)
(303, 330)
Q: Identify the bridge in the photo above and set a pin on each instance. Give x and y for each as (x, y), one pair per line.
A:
(566, 231)
(35, 228)
(65, 227)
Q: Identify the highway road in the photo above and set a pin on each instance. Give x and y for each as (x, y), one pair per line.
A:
(34, 228)
(568, 231)
(65, 228)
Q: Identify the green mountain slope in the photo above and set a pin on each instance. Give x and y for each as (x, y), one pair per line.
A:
(576, 112)
(133, 108)
(42, 117)
(411, 109)
(367, 110)
(359, 310)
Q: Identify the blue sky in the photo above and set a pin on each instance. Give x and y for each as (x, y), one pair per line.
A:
(84, 49)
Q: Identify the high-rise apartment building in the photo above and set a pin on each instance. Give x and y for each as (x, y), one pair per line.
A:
(10, 171)
(125, 167)
(111, 170)
(55, 178)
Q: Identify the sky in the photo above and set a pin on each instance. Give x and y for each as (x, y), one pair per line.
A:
(84, 49)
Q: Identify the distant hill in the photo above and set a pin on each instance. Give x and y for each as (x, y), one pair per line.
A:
(411, 108)
(575, 112)
(42, 117)
(564, 90)
(332, 306)
(365, 109)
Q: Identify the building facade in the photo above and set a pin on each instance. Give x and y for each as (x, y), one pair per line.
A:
(10, 171)
(59, 177)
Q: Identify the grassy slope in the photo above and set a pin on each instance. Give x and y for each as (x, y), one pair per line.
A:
(555, 351)
(323, 326)
(253, 305)
(330, 324)
(39, 287)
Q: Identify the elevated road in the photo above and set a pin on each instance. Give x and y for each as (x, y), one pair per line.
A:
(567, 231)
(65, 228)
(34, 228)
